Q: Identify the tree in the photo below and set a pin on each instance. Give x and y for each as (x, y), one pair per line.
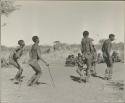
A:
(7, 7)
(56, 45)
(101, 41)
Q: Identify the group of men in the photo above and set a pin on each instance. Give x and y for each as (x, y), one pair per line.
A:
(35, 55)
(88, 55)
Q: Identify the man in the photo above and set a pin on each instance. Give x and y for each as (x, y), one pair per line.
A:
(106, 49)
(87, 51)
(14, 57)
(35, 56)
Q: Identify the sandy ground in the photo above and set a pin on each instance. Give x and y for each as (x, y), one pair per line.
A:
(67, 90)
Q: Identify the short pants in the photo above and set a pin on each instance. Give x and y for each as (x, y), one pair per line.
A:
(108, 61)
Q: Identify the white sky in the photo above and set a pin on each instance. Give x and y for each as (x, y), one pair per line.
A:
(64, 21)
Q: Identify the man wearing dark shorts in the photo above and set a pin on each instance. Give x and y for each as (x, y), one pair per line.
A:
(106, 49)
(35, 56)
(87, 52)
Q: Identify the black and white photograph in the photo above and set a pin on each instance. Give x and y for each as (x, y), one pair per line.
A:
(62, 51)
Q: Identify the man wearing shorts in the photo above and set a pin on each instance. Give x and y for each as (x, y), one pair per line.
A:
(106, 49)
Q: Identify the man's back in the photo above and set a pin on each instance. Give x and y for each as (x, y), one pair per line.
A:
(86, 45)
(33, 52)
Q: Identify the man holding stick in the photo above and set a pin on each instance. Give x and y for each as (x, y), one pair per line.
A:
(35, 56)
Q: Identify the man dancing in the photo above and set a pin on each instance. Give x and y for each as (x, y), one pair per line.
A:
(35, 56)
(14, 57)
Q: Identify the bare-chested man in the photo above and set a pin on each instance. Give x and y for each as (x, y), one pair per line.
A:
(106, 49)
(14, 57)
(35, 56)
(87, 51)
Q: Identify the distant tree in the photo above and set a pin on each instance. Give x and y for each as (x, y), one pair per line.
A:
(101, 41)
(56, 45)
(7, 7)
(118, 46)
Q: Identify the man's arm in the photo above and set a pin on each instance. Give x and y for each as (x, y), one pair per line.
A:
(14, 53)
(108, 50)
(39, 55)
(103, 47)
(82, 50)
(91, 47)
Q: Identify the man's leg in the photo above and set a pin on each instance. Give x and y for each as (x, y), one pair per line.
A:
(107, 73)
(37, 75)
(88, 69)
(110, 68)
(19, 73)
(94, 69)
(107, 69)
(30, 82)
(20, 70)
(79, 71)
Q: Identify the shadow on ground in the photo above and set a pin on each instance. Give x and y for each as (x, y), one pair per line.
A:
(76, 79)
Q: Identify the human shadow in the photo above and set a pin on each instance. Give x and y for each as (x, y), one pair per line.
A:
(116, 84)
(76, 79)
(22, 77)
(39, 83)
(98, 76)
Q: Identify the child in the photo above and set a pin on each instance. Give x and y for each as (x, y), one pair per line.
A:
(80, 62)
(13, 59)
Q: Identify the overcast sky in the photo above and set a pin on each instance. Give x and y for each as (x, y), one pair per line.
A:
(64, 21)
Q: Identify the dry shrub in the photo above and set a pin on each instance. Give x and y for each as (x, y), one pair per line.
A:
(4, 62)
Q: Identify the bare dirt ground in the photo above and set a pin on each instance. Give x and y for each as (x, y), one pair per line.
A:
(67, 90)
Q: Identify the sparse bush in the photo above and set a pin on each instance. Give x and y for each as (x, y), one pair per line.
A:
(4, 62)
(49, 54)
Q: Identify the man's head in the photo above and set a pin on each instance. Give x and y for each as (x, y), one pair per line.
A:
(21, 43)
(112, 37)
(35, 39)
(85, 34)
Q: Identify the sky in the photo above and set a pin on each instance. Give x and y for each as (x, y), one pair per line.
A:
(63, 21)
